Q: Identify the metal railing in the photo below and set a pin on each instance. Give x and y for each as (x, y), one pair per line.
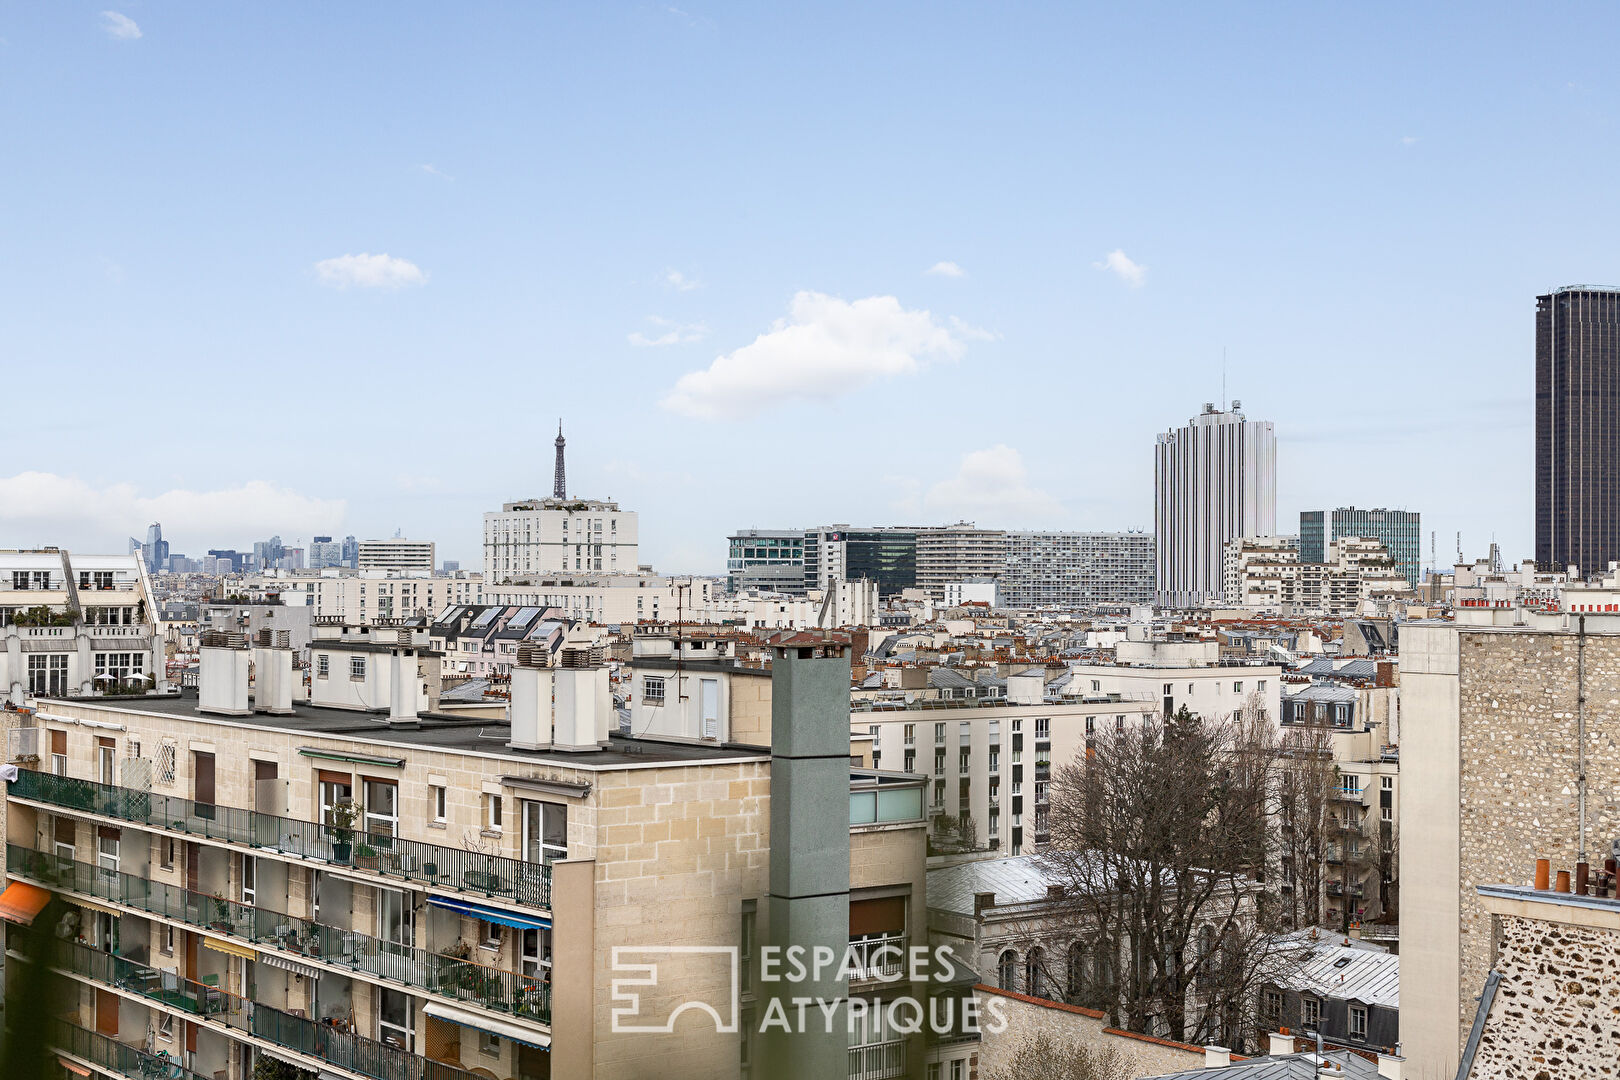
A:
(461, 980)
(877, 1061)
(433, 865)
(877, 957)
(114, 1056)
(312, 1038)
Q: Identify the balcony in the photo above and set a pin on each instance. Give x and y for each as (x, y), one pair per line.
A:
(432, 865)
(874, 958)
(496, 989)
(216, 1008)
(877, 1061)
(113, 1056)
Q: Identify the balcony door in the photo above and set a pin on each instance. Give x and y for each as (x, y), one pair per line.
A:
(202, 772)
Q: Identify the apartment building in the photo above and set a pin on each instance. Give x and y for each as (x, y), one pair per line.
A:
(363, 597)
(1168, 674)
(397, 553)
(956, 553)
(989, 760)
(77, 625)
(1267, 574)
(354, 884)
(1077, 571)
(538, 538)
(1510, 729)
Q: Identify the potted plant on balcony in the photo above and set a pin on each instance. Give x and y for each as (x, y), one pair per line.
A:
(366, 856)
(340, 827)
(222, 914)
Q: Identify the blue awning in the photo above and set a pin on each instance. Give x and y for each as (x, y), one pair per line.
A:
(494, 915)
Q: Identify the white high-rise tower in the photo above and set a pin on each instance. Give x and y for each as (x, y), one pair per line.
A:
(1213, 479)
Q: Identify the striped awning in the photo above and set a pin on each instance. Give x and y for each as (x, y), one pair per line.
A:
(22, 902)
(229, 948)
(505, 1029)
(276, 960)
(73, 1067)
(91, 905)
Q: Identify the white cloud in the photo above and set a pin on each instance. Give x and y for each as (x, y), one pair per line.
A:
(1130, 272)
(946, 269)
(432, 171)
(826, 347)
(992, 483)
(674, 333)
(680, 282)
(1408, 140)
(120, 26)
(44, 508)
(368, 272)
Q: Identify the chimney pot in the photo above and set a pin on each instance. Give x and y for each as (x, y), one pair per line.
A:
(1562, 884)
(1582, 876)
(1542, 868)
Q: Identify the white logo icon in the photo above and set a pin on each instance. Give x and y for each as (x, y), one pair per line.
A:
(641, 962)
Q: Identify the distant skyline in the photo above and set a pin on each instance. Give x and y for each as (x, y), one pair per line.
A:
(312, 270)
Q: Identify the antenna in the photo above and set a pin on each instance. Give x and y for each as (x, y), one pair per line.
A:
(1223, 378)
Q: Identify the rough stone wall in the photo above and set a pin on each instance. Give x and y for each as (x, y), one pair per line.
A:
(1553, 1013)
(1027, 1017)
(1517, 734)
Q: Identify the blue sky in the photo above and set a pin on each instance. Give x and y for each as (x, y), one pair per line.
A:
(703, 236)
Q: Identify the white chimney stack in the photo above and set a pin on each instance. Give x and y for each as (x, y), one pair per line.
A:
(1389, 1065)
(1217, 1057)
(223, 672)
(402, 688)
(584, 704)
(273, 676)
(1280, 1044)
(530, 707)
(1026, 687)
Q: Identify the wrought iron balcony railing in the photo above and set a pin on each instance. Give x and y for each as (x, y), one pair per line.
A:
(877, 1061)
(877, 957)
(114, 1056)
(434, 865)
(491, 988)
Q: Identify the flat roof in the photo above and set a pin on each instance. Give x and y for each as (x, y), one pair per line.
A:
(436, 731)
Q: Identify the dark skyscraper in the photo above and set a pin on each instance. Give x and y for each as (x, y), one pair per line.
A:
(559, 485)
(1578, 428)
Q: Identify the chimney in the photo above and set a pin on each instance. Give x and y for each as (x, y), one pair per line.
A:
(809, 858)
(1217, 1057)
(1026, 687)
(584, 701)
(982, 901)
(529, 709)
(1542, 869)
(1054, 892)
(402, 688)
(1281, 1043)
(1389, 1065)
(222, 675)
(273, 673)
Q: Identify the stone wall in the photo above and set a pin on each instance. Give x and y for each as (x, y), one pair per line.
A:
(1553, 1012)
(1027, 1017)
(1517, 749)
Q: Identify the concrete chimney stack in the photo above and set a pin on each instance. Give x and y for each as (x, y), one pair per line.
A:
(584, 701)
(273, 673)
(1280, 1043)
(529, 709)
(224, 667)
(402, 687)
(1217, 1057)
(1390, 1065)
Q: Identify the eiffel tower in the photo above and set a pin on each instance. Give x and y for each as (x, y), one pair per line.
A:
(559, 486)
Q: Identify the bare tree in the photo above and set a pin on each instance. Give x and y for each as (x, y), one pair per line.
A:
(1158, 838)
(1306, 780)
(1042, 1057)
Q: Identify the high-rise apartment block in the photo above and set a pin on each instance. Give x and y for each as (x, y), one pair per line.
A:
(397, 553)
(1577, 434)
(1215, 478)
(1400, 531)
(957, 553)
(1077, 570)
(526, 540)
(887, 556)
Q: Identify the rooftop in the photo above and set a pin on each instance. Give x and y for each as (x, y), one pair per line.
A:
(436, 731)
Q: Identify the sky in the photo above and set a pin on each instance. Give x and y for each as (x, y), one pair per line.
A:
(310, 268)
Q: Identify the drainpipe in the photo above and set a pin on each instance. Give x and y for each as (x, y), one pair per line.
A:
(1580, 732)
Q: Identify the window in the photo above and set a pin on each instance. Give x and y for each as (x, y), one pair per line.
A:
(1274, 1003)
(1237, 688)
(1312, 1012)
(107, 845)
(1386, 813)
(396, 918)
(911, 761)
(1007, 971)
(1035, 973)
(439, 799)
(745, 950)
(957, 1067)
(165, 1024)
(1260, 686)
(939, 733)
(250, 879)
(166, 939)
(911, 734)
(104, 760)
(323, 665)
(334, 788)
(545, 831)
(396, 1019)
(489, 934)
(1043, 727)
(965, 761)
(939, 763)
(59, 753)
(1091, 725)
(536, 954)
(1358, 1022)
(1096, 686)
(493, 805)
(1168, 687)
(166, 852)
(652, 690)
(489, 1044)
(933, 1071)
(357, 667)
(382, 807)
